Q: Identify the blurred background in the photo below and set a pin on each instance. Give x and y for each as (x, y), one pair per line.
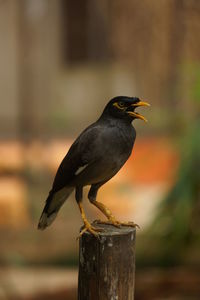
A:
(61, 61)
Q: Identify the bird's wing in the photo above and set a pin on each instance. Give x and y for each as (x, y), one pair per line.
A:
(80, 155)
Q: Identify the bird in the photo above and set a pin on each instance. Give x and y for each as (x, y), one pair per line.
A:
(93, 159)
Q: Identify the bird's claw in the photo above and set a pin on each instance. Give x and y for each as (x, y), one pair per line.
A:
(131, 224)
(93, 230)
(116, 223)
(109, 222)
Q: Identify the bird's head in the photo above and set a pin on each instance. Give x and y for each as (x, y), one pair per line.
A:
(123, 107)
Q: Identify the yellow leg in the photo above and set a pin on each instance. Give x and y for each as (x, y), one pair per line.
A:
(87, 226)
(106, 211)
(111, 219)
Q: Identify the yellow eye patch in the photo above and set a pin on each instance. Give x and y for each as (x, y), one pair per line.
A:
(119, 106)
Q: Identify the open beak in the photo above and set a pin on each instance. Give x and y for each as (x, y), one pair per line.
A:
(140, 103)
(135, 114)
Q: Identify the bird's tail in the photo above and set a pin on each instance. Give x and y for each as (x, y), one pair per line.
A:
(52, 206)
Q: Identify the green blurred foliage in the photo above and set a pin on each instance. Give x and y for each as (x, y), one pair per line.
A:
(174, 234)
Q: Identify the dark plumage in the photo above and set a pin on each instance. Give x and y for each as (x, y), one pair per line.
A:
(94, 158)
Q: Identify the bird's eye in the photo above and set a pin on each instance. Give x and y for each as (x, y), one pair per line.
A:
(121, 104)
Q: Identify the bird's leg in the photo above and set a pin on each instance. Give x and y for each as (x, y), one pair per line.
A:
(87, 226)
(106, 211)
(111, 219)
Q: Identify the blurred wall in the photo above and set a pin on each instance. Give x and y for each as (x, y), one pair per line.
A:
(29, 56)
(55, 54)
(9, 62)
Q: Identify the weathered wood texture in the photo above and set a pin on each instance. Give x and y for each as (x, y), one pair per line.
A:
(107, 264)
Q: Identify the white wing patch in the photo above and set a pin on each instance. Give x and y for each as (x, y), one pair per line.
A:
(80, 169)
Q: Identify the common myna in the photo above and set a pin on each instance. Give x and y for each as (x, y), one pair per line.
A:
(93, 159)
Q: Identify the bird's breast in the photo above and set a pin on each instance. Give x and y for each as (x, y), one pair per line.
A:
(109, 151)
(119, 141)
(117, 145)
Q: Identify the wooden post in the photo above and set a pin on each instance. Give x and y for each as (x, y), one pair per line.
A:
(107, 264)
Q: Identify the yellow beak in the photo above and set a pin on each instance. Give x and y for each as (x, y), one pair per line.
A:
(137, 115)
(141, 103)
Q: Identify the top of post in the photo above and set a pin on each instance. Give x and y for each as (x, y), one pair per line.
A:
(111, 231)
